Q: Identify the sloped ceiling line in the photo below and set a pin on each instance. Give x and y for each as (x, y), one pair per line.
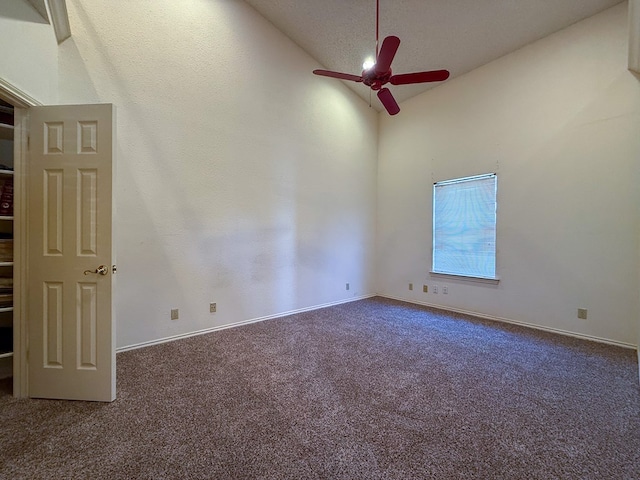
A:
(41, 8)
(55, 13)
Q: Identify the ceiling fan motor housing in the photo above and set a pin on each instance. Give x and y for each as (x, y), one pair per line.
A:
(375, 80)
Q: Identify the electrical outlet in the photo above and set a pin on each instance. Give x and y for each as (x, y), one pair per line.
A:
(174, 314)
(582, 313)
(347, 286)
(213, 308)
(435, 289)
(445, 289)
(411, 286)
(425, 288)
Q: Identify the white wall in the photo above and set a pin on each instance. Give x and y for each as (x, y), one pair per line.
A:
(559, 122)
(28, 51)
(242, 178)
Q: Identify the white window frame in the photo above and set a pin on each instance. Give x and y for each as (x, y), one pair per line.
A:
(446, 258)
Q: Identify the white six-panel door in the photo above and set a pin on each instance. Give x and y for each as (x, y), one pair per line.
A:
(70, 256)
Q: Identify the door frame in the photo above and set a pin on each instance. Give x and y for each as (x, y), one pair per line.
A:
(21, 102)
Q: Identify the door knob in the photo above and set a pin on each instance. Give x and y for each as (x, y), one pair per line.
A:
(101, 270)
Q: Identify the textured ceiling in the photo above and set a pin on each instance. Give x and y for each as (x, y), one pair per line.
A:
(458, 35)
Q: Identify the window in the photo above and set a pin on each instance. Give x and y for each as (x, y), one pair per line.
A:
(464, 226)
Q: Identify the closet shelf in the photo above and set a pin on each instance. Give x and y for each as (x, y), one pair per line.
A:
(6, 131)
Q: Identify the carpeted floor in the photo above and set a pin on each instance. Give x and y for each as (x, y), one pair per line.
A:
(374, 389)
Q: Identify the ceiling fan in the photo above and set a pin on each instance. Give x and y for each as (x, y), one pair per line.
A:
(380, 73)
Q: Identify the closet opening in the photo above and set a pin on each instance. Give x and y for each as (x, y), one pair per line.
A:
(7, 128)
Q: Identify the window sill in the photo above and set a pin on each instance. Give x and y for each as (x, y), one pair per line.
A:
(489, 280)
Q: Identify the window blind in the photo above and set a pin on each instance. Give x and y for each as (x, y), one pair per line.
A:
(464, 226)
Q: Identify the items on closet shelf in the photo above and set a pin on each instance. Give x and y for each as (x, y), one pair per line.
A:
(6, 197)
(6, 291)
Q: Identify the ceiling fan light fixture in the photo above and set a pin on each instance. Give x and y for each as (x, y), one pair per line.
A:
(368, 63)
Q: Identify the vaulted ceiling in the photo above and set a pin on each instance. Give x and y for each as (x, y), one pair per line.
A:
(54, 12)
(458, 35)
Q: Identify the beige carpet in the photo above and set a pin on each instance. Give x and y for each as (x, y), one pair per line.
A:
(374, 389)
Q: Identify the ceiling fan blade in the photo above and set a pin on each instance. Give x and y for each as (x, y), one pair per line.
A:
(419, 77)
(387, 52)
(388, 101)
(341, 76)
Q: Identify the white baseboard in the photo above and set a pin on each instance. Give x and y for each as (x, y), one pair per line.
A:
(517, 322)
(237, 324)
(440, 307)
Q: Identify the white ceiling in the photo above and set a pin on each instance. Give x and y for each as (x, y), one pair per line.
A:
(458, 35)
(41, 7)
